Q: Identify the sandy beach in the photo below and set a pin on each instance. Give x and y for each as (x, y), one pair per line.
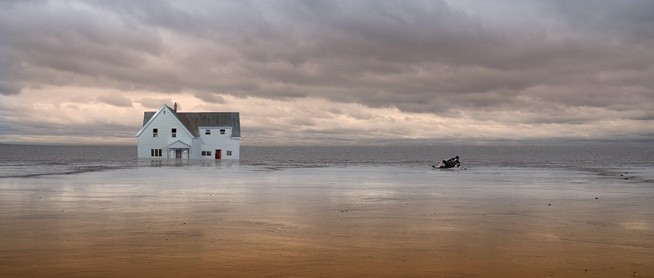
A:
(378, 221)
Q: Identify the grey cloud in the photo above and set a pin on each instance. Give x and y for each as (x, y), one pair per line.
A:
(210, 97)
(115, 100)
(59, 43)
(105, 130)
(506, 62)
(10, 84)
(155, 103)
(301, 122)
(419, 56)
(629, 20)
(8, 88)
(645, 117)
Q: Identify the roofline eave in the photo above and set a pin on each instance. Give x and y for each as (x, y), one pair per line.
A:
(145, 126)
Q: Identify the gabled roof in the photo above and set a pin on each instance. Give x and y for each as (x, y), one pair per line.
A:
(148, 118)
(178, 145)
(194, 120)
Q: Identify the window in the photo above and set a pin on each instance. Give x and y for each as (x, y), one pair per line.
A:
(174, 131)
(155, 132)
(155, 152)
(206, 153)
(208, 132)
(229, 153)
(222, 131)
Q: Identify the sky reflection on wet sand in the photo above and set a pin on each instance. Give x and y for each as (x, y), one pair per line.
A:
(233, 220)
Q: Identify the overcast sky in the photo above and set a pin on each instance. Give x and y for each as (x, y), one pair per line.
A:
(319, 71)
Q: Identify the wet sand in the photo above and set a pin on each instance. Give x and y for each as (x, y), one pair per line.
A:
(385, 221)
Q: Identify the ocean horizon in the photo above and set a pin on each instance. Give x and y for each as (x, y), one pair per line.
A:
(604, 155)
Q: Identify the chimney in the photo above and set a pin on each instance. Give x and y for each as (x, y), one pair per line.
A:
(175, 107)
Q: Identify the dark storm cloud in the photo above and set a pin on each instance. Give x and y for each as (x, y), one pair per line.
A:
(538, 57)
(54, 43)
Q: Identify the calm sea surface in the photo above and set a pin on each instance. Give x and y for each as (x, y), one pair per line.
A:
(538, 210)
(39, 160)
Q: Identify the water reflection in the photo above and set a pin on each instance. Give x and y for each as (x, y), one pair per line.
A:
(156, 163)
(480, 219)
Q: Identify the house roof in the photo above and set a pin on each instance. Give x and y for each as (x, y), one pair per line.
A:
(194, 120)
(148, 117)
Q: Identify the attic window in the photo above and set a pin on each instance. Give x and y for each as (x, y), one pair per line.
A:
(208, 132)
(222, 131)
(174, 131)
(155, 132)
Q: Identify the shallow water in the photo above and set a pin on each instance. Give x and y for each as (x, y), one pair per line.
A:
(30, 161)
(335, 212)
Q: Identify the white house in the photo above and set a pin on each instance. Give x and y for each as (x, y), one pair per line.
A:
(167, 133)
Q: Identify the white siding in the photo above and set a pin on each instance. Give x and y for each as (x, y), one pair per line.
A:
(224, 142)
(164, 122)
(197, 148)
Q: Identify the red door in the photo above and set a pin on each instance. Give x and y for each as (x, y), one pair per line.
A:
(218, 154)
(178, 154)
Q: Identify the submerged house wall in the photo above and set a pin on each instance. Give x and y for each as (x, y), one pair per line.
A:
(157, 134)
(204, 135)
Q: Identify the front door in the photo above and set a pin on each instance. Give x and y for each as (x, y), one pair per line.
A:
(178, 153)
(218, 154)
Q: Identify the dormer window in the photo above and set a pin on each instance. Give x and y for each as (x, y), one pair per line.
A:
(174, 132)
(155, 132)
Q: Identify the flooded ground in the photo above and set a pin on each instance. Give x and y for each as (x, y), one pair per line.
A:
(222, 220)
